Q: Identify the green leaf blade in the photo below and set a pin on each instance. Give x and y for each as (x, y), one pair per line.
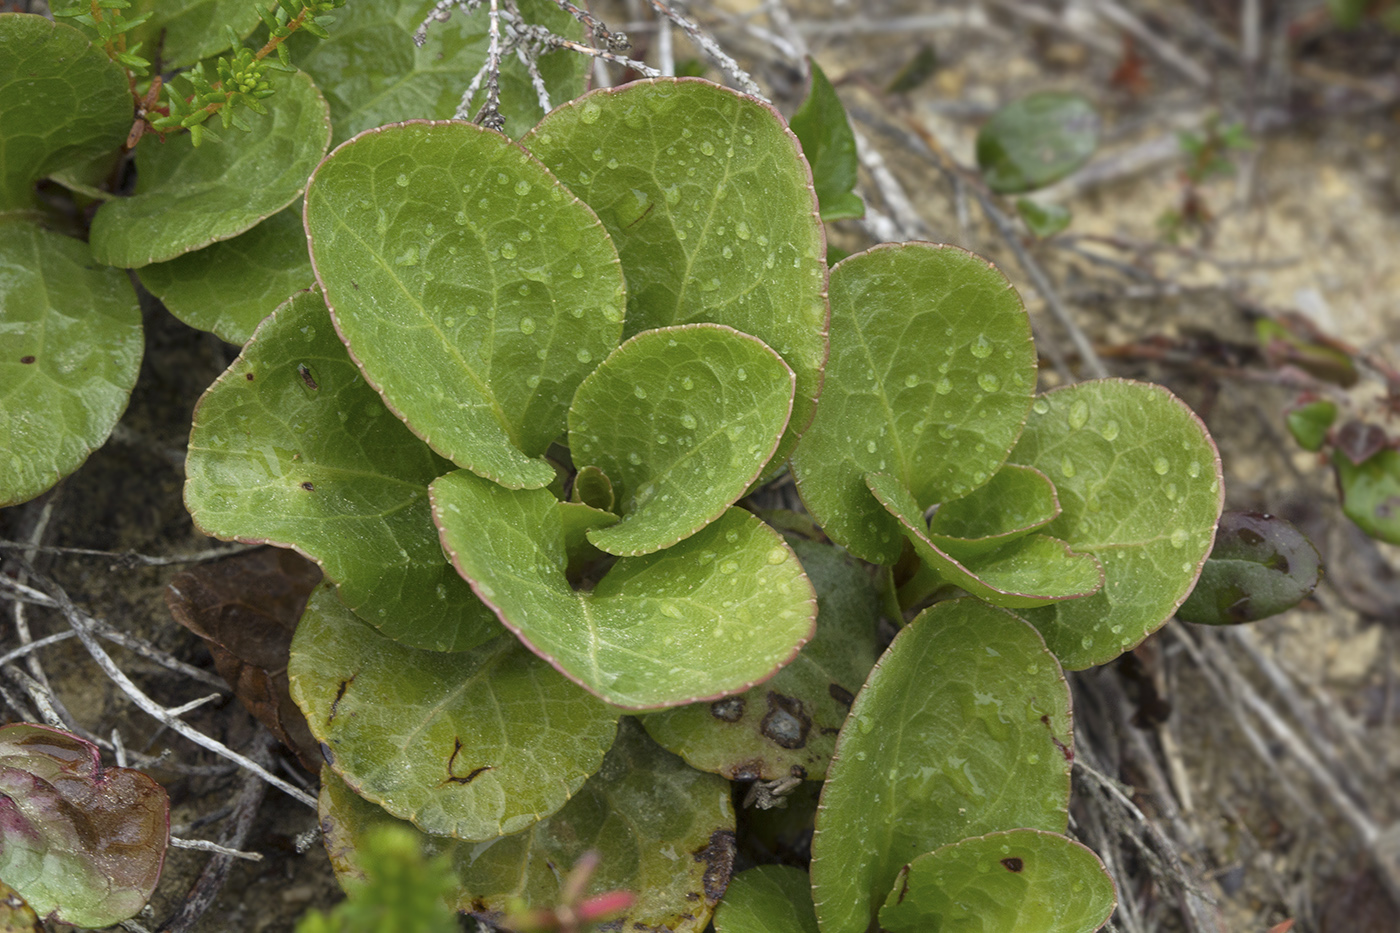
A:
(768, 899)
(189, 31)
(477, 311)
(948, 739)
(706, 195)
(1260, 566)
(1036, 140)
(830, 147)
(471, 745)
(681, 420)
(271, 459)
(70, 350)
(1015, 502)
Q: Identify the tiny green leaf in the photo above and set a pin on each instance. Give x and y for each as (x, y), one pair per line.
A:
(1036, 140)
(70, 349)
(1015, 502)
(189, 31)
(82, 844)
(930, 379)
(1044, 220)
(1309, 423)
(1019, 881)
(401, 890)
(1139, 482)
(663, 830)
(681, 420)
(1371, 492)
(830, 147)
(593, 488)
(712, 615)
(768, 899)
(471, 745)
(229, 287)
(187, 197)
(291, 447)
(1032, 570)
(963, 728)
(61, 101)
(473, 290)
(786, 727)
(1260, 566)
(711, 206)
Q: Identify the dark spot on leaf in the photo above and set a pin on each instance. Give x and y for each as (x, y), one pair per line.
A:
(841, 695)
(304, 372)
(356, 285)
(828, 730)
(798, 772)
(730, 709)
(718, 857)
(1013, 864)
(327, 754)
(1387, 508)
(309, 486)
(462, 779)
(903, 884)
(336, 702)
(641, 218)
(747, 770)
(786, 722)
(249, 377)
(692, 896)
(26, 360)
(612, 926)
(1064, 749)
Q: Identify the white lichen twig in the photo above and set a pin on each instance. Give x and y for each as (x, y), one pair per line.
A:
(705, 43)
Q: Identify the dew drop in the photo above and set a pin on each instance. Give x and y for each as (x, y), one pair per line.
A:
(533, 382)
(1110, 430)
(1194, 470)
(688, 421)
(590, 113)
(634, 458)
(741, 230)
(527, 326)
(728, 566)
(943, 386)
(461, 218)
(639, 392)
(981, 347)
(707, 148)
(402, 180)
(911, 380)
(1067, 467)
(584, 356)
(1179, 538)
(870, 446)
(989, 382)
(1160, 466)
(1040, 406)
(687, 383)
(741, 375)
(777, 555)
(507, 250)
(578, 271)
(1079, 414)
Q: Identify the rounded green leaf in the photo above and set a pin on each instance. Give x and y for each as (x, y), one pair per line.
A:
(471, 745)
(713, 615)
(189, 31)
(228, 288)
(768, 899)
(1036, 140)
(1020, 881)
(1029, 571)
(1015, 502)
(373, 73)
(711, 206)
(664, 831)
(1139, 482)
(82, 844)
(187, 198)
(787, 726)
(1260, 566)
(930, 380)
(70, 350)
(1310, 422)
(682, 420)
(1044, 220)
(830, 147)
(472, 289)
(1371, 492)
(963, 728)
(61, 101)
(291, 447)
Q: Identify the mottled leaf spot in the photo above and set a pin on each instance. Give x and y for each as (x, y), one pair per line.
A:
(718, 857)
(786, 722)
(730, 709)
(1013, 865)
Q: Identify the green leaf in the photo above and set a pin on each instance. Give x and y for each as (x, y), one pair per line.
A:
(374, 74)
(787, 726)
(471, 745)
(1139, 480)
(682, 420)
(1030, 571)
(930, 379)
(1260, 566)
(473, 290)
(963, 728)
(82, 844)
(291, 447)
(187, 198)
(70, 350)
(1309, 423)
(1371, 493)
(61, 101)
(401, 891)
(830, 147)
(1044, 220)
(710, 616)
(1015, 502)
(768, 899)
(707, 197)
(189, 31)
(664, 830)
(1036, 140)
(1020, 881)
(228, 288)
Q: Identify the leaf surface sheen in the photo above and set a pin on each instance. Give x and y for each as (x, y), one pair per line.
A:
(62, 100)
(472, 289)
(229, 287)
(1015, 502)
(70, 350)
(711, 206)
(664, 830)
(291, 447)
(681, 420)
(188, 198)
(471, 745)
(1019, 881)
(768, 899)
(712, 615)
(930, 380)
(963, 728)
(1140, 485)
(787, 726)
